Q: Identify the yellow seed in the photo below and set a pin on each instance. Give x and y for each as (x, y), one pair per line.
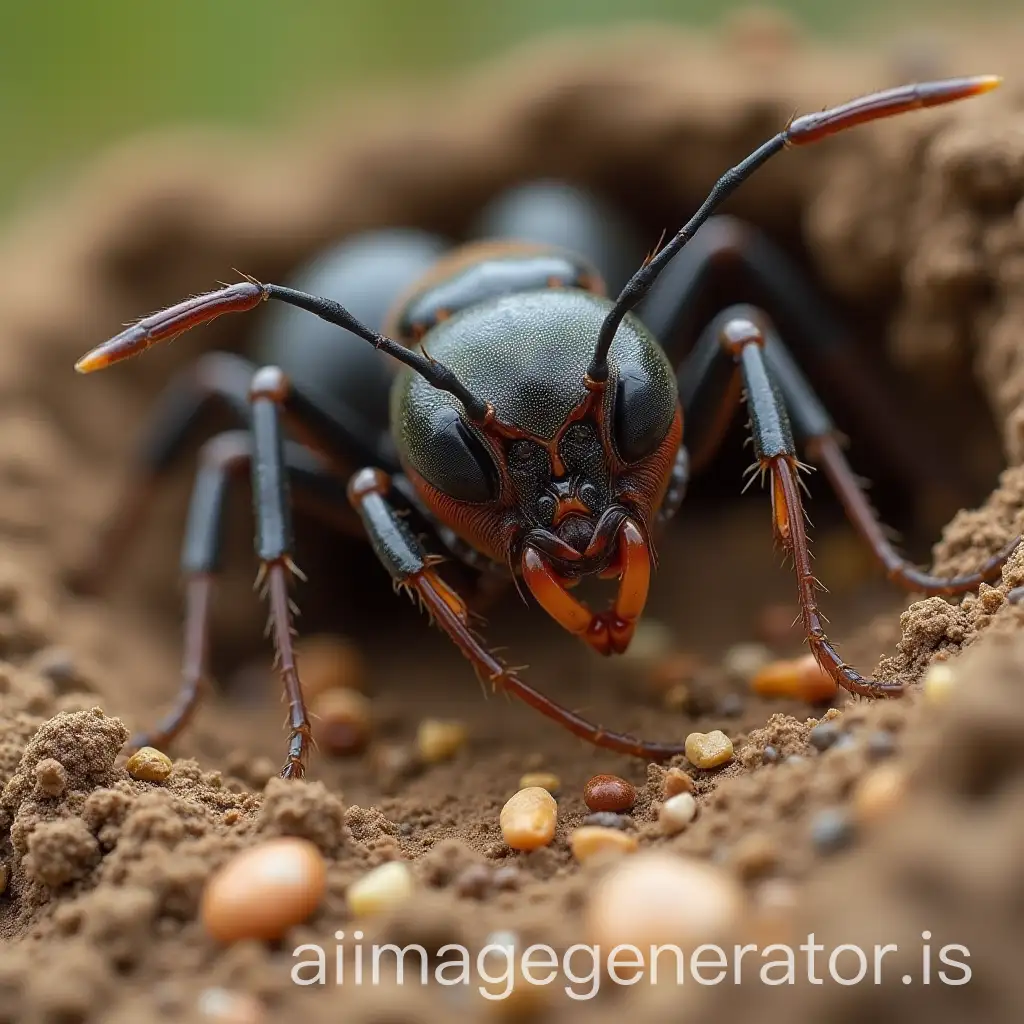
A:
(342, 722)
(880, 792)
(655, 898)
(265, 890)
(597, 841)
(546, 780)
(675, 781)
(381, 889)
(439, 741)
(528, 819)
(708, 749)
(223, 1006)
(149, 765)
(939, 683)
(676, 813)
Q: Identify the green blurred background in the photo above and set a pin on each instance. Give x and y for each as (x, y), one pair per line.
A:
(78, 74)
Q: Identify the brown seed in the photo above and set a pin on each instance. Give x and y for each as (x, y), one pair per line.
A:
(5, 874)
(438, 741)
(708, 749)
(609, 793)
(264, 891)
(149, 765)
(528, 819)
(590, 841)
(342, 721)
(797, 678)
(880, 792)
(675, 781)
(546, 780)
(327, 663)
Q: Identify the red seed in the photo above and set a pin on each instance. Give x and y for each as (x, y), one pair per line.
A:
(609, 793)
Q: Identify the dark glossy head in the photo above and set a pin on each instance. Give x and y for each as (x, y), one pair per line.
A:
(558, 453)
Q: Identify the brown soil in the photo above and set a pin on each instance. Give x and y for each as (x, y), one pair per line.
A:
(917, 226)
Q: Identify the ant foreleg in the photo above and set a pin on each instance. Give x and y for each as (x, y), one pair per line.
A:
(370, 492)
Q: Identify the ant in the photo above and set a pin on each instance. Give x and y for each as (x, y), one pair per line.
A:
(535, 431)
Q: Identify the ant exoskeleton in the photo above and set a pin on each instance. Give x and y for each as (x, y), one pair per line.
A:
(535, 431)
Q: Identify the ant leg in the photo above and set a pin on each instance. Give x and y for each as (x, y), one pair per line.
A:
(222, 459)
(740, 342)
(822, 443)
(725, 244)
(413, 570)
(216, 378)
(712, 377)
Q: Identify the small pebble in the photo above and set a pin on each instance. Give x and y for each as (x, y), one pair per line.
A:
(879, 793)
(222, 1006)
(591, 841)
(608, 819)
(881, 744)
(798, 678)
(769, 755)
(149, 765)
(342, 722)
(51, 778)
(744, 661)
(528, 819)
(675, 781)
(708, 749)
(438, 741)
(384, 887)
(676, 813)
(824, 735)
(939, 683)
(831, 830)
(327, 663)
(546, 780)
(654, 898)
(609, 793)
(264, 890)
(474, 881)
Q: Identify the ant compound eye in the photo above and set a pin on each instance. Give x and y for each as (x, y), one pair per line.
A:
(590, 496)
(546, 509)
(458, 462)
(645, 405)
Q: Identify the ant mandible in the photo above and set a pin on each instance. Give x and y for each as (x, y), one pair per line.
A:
(536, 429)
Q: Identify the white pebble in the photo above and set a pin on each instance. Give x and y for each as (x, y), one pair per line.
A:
(676, 813)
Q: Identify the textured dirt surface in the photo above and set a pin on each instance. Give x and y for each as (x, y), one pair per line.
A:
(917, 231)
